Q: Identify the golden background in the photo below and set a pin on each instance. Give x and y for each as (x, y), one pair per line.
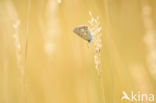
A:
(43, 61)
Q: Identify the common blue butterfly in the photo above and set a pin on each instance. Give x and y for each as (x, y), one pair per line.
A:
(84, 32)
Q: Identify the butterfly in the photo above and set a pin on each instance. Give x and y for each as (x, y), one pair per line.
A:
(84, 32)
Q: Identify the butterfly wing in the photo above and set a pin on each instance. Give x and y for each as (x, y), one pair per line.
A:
(83, 32)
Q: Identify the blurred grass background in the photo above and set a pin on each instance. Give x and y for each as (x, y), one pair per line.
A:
(43, 61)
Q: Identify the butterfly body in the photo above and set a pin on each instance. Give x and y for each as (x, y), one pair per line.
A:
(83, 32)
